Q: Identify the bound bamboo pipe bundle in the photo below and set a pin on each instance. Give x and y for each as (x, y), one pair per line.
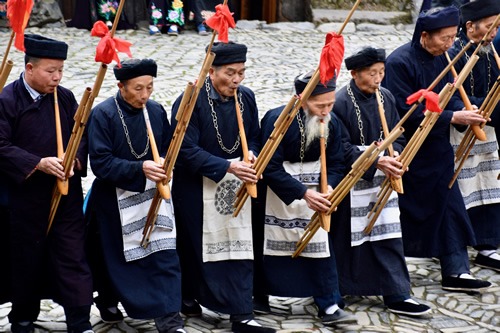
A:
(469, 139)
(182, 117)
(276, 136)
(280, 128)
(81, 118)
(4, 73)
(358, 168)
(418, 138)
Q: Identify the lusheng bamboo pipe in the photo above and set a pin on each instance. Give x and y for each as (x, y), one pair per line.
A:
(468, 105)
(324, 218)
(62, 186)
(162, 188)
(4, 73)
(251, 188)
(359, 167)
(182, 117)
(469, 139)
(396, 183)
(418, 138)
(74, 141)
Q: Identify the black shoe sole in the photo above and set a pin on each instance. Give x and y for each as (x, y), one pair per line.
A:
(487, 267)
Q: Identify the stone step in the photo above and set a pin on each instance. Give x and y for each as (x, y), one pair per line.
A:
(360, 16)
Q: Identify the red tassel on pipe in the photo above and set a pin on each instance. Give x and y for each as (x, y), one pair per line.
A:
(108, 48)
(431, 99)
(18, 13)
(221, 21)
(331, 57)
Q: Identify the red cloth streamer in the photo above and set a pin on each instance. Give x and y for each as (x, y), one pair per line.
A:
(18, 13)
(221, 21)
(108, 47)
(431, 99)
(331, 57)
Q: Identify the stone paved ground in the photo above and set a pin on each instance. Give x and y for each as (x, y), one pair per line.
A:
(277, 53)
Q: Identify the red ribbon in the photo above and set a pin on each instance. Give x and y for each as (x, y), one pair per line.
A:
(431, 99)
(221, 21)
(331, 57)
(18, 13)
(108, 47)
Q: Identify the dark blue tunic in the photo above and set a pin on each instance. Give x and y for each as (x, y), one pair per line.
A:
(27, 134)
(147, 287)
(224, 286)
(433, 217)
(485, 218)
(300, 277)
(372, 268)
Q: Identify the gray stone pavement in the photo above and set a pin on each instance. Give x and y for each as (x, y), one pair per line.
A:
(277, 53)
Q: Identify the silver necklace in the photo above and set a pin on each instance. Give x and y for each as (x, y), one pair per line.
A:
(472, 74)
(358, 116)
(125, 129)
(216, 124)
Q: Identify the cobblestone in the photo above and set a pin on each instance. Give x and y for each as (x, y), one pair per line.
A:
(277, 53)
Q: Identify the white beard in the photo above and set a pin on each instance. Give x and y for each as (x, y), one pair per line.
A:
(313, 127)
(487, 49)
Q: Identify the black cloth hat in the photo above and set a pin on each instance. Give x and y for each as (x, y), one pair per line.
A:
(435, 19)
(131, 68)
(42, 47)
(479, 9)
(365, 58)
(302, 80)
(228, 53)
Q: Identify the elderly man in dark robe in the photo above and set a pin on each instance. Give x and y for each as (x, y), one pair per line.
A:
(371, 264)
(29, 160)
(292, 178)
(146, 280)
(433, 218)
(478, 179)
(216, 249)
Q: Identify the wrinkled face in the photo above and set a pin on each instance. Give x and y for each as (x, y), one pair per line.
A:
(320, 105)
(477, 30)
(439, 41)
(136, 91)
(227, 78)
(368, 79)
(44, 75)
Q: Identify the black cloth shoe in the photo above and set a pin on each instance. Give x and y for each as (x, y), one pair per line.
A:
(487, 262)
(243, 327)
(409, 308)
(261, 305)
(338, 317)
(106, 314)
(191, 308)
(18, 328)
(451, 283)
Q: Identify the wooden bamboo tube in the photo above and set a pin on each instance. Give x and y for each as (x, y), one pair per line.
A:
(62, 186)
(306, 238)
(4, 73)
(54, 203)
(348, 18)
(6, 55)
(397, 183)
(162, 188)
(468, 106)
(495, 54)
(324, 218)
(151, 219)
(251, 188)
